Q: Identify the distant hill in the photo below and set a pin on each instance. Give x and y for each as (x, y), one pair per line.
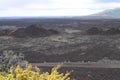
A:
(110, 13)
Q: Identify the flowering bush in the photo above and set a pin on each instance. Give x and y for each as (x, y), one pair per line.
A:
(33, 73)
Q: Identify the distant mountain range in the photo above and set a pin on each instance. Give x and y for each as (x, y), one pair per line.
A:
(107, 14)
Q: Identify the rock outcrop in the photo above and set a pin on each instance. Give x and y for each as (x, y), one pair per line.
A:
(32, 31)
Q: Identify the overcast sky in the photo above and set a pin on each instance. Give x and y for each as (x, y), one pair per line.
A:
(55, 7)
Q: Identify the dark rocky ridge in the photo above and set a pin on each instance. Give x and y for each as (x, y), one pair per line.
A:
(32, 31)
(100, 31)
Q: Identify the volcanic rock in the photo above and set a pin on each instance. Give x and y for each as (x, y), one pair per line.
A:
(33, 31)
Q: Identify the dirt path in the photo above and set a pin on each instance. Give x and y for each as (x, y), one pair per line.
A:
(84, 65)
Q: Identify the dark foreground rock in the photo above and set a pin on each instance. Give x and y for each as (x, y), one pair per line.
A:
(91, 73)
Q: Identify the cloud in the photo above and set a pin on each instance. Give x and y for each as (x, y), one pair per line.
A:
(54, 7)
(62, 4)
(49, 12)
(107, 1)
(6, 4)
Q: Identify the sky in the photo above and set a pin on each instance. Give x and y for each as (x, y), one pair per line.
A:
(12, 8)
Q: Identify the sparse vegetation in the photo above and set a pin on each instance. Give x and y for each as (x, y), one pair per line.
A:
(9, 58)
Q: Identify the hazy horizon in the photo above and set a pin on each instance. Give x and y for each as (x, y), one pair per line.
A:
(54, 8)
